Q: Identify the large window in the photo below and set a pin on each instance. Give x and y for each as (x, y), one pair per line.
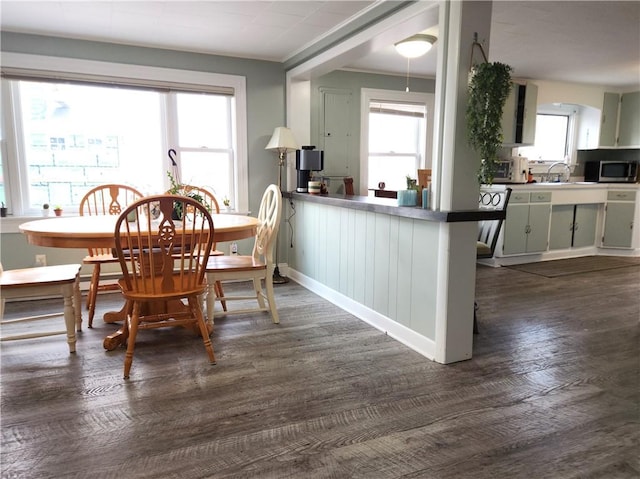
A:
(553, 139)
(69, 136)
(396, 137)
(205, 142)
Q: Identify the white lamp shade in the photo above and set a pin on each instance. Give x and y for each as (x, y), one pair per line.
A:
(415, 46)
(282, 140)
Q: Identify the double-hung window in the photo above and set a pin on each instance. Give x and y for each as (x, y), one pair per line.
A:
(554, 139)
(63, 136)
(396, 132)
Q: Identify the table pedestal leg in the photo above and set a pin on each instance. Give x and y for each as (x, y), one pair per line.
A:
(117, 316)
(118, 338)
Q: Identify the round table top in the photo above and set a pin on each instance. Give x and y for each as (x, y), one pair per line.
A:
(98, 231)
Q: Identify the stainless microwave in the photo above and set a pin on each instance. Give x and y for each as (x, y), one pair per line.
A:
(513, 170)
(624, 171)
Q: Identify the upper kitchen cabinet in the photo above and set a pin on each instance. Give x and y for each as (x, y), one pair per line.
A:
(629, 122)
(519, 116)
(617, 125)
(609, 119)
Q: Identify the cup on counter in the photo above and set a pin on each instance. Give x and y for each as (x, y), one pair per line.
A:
(314, 187)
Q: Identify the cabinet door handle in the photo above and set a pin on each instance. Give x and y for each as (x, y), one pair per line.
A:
(575, 227)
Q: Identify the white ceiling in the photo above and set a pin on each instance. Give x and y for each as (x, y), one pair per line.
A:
(592, 42)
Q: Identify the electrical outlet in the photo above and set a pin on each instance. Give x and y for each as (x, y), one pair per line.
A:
(41, 260)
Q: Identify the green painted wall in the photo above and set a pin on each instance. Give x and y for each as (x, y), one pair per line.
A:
(354, 82)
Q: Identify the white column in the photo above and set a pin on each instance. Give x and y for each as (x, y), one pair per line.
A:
(455, 166)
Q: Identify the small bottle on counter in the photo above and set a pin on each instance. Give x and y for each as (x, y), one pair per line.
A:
(234, 248)
(425, 197)
(530, 177)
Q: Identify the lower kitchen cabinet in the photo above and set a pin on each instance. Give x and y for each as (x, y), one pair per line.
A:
(618, 219)
(584, 229)
(568, 221)
(573, 226)
(526, 228)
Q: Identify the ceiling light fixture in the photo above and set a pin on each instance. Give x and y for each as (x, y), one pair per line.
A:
(415, 46)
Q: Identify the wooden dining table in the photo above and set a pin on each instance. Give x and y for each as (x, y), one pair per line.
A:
(98, 232)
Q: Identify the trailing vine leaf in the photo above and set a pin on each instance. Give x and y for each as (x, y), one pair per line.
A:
(489, 89)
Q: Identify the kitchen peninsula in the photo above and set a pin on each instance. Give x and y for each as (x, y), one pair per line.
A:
(548, 221)
(379, 261)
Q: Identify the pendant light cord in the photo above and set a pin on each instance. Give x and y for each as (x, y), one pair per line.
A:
(407, 88)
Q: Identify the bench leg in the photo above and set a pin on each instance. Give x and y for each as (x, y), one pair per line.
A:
(68, 292)
(77, 303)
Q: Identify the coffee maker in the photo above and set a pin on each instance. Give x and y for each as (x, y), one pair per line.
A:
(308, 159)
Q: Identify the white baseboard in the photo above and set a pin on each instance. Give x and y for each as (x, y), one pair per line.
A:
(420, 344)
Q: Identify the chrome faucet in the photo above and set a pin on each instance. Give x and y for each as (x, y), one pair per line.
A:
(565, 165)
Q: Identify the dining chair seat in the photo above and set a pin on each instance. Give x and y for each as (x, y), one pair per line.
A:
(235, 264)
(100, 259)
(60, 280)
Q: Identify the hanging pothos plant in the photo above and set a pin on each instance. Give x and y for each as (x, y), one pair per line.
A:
(489, 88)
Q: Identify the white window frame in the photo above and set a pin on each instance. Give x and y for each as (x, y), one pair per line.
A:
(570, 158)
(91, 68)
(368, 95)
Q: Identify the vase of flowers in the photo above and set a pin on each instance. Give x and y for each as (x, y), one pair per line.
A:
(178, 188)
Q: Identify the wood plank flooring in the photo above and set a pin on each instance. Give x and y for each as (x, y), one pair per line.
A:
(553, 391)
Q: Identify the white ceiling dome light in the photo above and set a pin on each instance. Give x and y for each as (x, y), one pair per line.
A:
(415, 46)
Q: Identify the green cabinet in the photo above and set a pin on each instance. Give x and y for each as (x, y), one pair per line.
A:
(561, 232)
(584, 226)
(618, 219)
(526, 228)
(629, 123)
(573, 226)
(609, 119)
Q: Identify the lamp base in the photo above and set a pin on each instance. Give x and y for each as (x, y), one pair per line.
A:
(277, 278)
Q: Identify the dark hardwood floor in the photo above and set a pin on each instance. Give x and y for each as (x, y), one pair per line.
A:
(553, 391)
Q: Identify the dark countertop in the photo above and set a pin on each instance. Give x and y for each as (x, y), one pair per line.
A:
(390, 207)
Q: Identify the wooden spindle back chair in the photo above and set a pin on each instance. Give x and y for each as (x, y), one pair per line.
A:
(109, 199)
(163, 260)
